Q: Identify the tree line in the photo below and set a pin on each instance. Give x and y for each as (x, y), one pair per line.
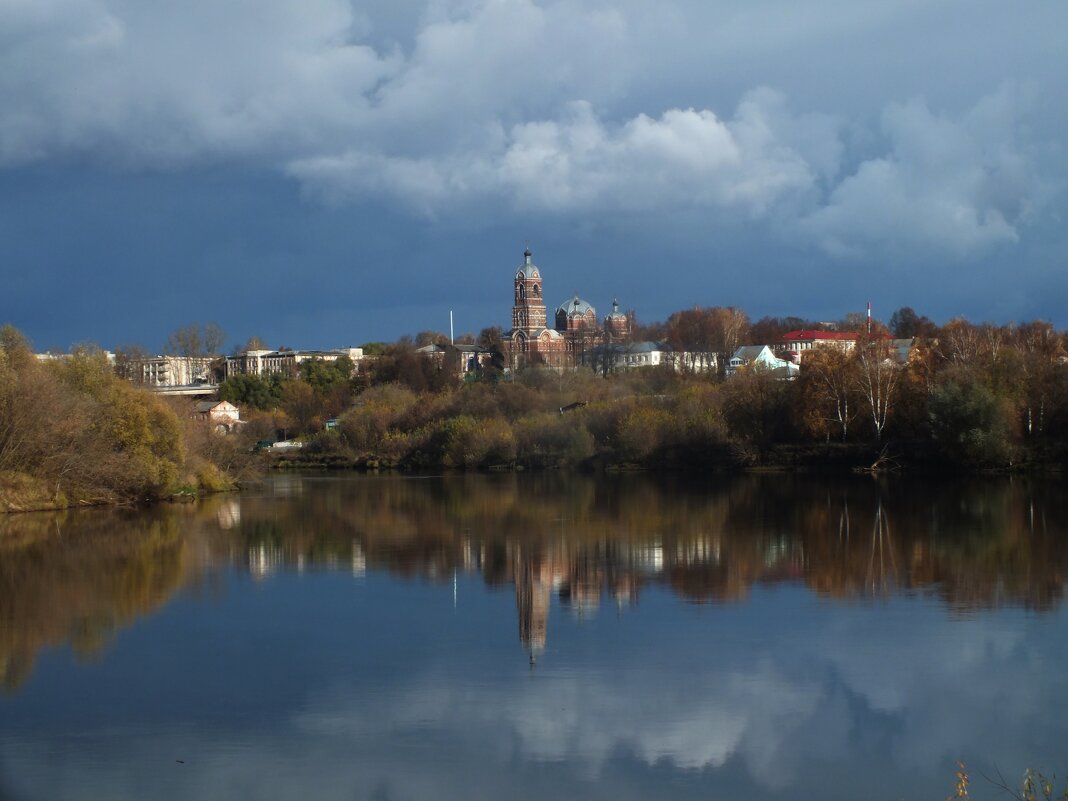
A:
(73, 432)
(961, 396)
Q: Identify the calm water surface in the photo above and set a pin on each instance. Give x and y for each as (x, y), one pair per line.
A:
(542, 636)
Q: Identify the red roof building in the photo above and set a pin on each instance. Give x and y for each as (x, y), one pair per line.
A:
(797, 342)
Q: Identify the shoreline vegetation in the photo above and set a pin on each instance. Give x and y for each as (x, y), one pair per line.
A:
(945, 410)
(969, 398)
(72, 433)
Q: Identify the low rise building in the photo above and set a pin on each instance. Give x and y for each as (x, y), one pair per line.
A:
(760, 357)
(223, 416)
(173, 371)
(284, 362)
(611, 358)
(797, 343)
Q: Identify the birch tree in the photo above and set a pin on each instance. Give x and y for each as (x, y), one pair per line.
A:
(877, 379)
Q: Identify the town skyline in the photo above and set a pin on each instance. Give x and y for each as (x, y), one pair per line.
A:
(339, 172)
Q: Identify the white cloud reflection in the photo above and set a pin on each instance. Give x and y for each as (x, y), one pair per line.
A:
(820, 695)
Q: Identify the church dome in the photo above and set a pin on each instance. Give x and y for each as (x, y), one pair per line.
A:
(575, 307)
(528, 269)
(616, 314)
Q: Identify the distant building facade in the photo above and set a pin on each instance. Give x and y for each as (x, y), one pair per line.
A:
(463, 360)
(284, 362)
(614, 357)
(172, 371)
(796, 343)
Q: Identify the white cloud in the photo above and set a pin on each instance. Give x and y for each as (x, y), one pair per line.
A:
(517, 106)
(175, 83)
(684, 158)
(956, 186)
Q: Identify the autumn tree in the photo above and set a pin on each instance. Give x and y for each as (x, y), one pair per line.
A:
(646, 332)
(693, 332)
(877, 378)
(301, 405)
(959, 341)
(770, 330)
(1039, 348)
(730, 329)
(755, 406)
(828, 386)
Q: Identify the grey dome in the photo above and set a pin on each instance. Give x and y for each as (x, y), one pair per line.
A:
(575, 306)
(616, 314)
(528, 269)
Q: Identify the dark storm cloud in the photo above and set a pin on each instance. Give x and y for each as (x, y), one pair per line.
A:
(834, 133)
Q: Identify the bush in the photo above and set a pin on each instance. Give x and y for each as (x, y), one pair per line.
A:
(551, 439)
(642, 432)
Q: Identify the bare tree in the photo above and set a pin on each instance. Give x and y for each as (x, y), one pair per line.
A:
(960, 341)
(196, 340)
(128, 362)
(213, 338)
(253, 343)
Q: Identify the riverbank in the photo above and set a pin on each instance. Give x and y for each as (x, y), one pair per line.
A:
(829, 459)
(72, 434)
(23, 493)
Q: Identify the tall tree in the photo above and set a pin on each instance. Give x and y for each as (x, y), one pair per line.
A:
(128, 361)
(906, 323)
(196, 340)
(827, 385)
(960, 341)
(731, 328)
(693, 332)
(877, 379)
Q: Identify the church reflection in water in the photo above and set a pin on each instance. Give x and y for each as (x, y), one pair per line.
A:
(577, 540)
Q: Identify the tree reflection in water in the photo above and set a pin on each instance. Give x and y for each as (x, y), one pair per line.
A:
(75, 578)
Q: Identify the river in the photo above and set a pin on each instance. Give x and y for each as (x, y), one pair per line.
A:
(539, 636)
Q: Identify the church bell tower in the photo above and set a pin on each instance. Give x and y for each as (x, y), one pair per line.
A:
(528, 312)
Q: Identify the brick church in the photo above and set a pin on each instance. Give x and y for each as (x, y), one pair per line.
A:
(576, 330)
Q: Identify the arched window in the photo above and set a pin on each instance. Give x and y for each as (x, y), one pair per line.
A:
(522, 292)
(537, 290)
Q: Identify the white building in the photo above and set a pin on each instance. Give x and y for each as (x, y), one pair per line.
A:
(173, 371)
(221, 415)
(284, 362)
(760, 357)
(613, 358)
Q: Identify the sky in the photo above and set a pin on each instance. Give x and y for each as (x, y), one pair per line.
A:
(323, 173)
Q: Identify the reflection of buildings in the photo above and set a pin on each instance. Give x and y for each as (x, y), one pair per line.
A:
(533, 588)
(265, 560)
(708, 548)
(974, 546)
